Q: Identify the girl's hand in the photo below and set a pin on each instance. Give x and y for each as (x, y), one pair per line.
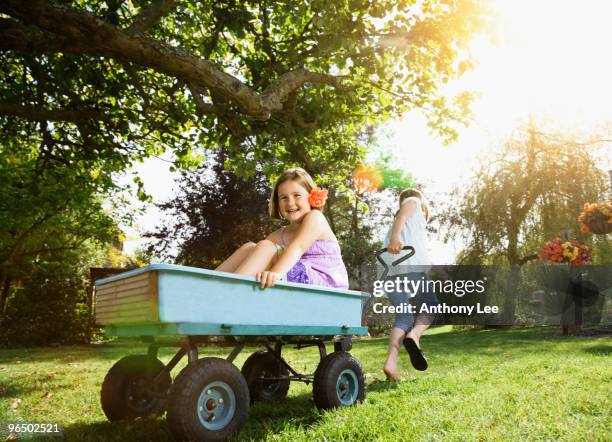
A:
(268, 278)
(395, 246)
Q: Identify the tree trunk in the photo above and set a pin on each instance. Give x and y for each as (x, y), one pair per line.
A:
(514, 278)
(6, 286)
(511, 294)
(90, 313)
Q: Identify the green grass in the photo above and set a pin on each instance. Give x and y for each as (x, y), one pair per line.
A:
(523, 384)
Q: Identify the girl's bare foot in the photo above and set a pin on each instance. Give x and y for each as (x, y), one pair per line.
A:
(391, 373)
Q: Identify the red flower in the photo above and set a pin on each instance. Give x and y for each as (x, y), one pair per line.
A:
(317, 197)
(552, 251)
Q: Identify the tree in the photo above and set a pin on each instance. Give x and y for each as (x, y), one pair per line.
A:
(50, 306)
(44, 214)
(98, 83)
(214, 212)
(529, 192)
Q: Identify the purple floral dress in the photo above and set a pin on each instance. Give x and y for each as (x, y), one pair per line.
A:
(321, 265)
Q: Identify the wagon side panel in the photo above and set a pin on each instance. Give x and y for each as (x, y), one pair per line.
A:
(129, 300)
(202, 298)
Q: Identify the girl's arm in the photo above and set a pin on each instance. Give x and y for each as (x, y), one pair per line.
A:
(312, 227)
(395, 244)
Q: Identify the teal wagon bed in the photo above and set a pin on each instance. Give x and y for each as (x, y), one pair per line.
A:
(169, 305)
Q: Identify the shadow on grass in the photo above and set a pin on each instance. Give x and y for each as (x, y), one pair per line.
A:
(96, 352)
(264, 418)
(599, 350)
(275, 417)
(382, 386)
(489, 342)
(69, 353)
(455, 341)
(151, 429)
(13, 390)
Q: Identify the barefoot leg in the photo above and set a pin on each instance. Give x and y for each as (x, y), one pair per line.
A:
(395, 340)
(232, 263)
(261, 258)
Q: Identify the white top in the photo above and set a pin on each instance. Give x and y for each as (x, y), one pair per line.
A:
(413, 234)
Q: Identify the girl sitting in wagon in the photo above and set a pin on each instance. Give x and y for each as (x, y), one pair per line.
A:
(305, 251)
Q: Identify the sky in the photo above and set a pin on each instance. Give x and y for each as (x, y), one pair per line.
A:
(550, 60)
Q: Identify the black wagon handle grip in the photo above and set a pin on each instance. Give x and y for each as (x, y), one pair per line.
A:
(397, 261)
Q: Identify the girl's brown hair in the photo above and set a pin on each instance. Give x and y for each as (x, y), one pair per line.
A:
(296, 174)
(407, 193)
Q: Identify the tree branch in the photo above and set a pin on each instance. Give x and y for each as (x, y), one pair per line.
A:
(201, 106)
(300, 152)
(103, 39)
(37, 113)
(133, 74)
(19, 240)
(17, 37)
(148, 17)
(279, 89)
(291, 113)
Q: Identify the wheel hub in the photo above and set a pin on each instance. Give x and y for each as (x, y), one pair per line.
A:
(138, 394)
(347, 387)
(211, 404)
(216, 405)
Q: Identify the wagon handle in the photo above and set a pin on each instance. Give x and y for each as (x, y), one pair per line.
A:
(397, 261)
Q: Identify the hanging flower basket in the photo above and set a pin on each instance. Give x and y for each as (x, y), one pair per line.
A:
(600, 225)
(596, 218)
(558, 251)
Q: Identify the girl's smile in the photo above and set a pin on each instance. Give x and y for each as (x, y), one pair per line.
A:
(293, 201)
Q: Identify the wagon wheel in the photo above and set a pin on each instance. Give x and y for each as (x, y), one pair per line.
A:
(338, 381)
(209, 400)
(128, 385)
(261, 365)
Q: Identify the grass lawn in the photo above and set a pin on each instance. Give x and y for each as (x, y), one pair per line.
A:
(481, 385)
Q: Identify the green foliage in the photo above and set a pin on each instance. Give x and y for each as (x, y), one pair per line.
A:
(395, 179)
(214, 212)
(52, 224)
(530, 191)
(51, 308)
(45, 212)
(390, 57)
(602, 249)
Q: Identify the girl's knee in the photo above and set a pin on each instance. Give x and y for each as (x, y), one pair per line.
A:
(266, 244)
(248, 245)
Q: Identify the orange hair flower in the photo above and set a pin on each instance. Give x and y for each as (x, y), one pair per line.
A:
(584, 229)
(317, 197)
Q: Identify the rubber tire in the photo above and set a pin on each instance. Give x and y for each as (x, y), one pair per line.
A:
(326, 377)
(254, 366)
(182, 414)
(115, 388)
